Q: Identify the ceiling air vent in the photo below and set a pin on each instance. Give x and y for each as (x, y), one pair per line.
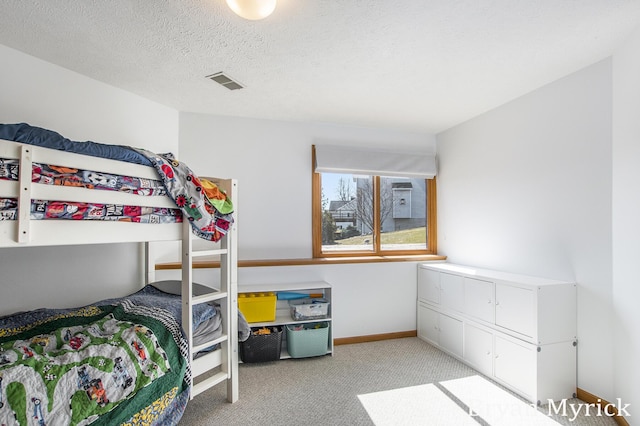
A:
(224, 80)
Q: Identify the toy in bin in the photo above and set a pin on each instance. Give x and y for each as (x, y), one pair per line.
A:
(263, 345)
(308, 309)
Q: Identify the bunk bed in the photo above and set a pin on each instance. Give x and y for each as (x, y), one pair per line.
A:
(131, 360)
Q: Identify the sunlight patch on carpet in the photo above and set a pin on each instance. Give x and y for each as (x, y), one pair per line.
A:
(495, 405)
(415, 405)
(475, 401)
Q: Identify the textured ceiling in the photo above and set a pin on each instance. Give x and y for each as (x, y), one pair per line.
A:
(417, 65)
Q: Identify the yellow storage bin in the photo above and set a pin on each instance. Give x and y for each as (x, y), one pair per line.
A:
(258, 307)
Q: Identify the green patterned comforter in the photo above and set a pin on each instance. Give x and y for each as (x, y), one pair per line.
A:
(99, 365)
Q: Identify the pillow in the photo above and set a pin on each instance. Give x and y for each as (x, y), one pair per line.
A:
(175, 287)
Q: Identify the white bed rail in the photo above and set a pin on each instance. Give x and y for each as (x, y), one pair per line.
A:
(26, 232)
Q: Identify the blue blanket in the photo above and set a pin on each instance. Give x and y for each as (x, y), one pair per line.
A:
(25, 133)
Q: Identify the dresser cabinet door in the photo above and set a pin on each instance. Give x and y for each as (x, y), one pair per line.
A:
(479, 299)
(478, 349)
(515, 364)
(451, 335)
(452, 291)
(428, 285)
(428, 324)
(515, 309)
(440, 330)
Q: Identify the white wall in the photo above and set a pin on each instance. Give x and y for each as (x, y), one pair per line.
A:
(626, 221)
(526, 188)
(79, 108)
(272, 162)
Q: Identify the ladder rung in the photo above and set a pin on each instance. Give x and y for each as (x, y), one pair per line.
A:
(204, 298)
(202, 253)
(206, 362)
(208, 383)
(208, 344)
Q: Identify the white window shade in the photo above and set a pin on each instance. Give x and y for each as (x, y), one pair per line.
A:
(363, 161)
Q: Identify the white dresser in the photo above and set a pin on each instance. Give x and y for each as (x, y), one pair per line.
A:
(518, 330)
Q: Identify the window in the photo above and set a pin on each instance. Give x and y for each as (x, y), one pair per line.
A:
(366, 214)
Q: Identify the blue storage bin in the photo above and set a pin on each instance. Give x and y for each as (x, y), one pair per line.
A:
(307, 340)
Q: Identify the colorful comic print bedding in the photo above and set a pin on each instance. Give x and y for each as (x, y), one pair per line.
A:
(42, 209)
(48, 174)
(210, 218)
(113, 364)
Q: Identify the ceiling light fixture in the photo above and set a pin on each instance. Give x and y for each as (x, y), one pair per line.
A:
(252, 9)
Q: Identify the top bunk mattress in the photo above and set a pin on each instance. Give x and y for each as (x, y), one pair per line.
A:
(135, 179)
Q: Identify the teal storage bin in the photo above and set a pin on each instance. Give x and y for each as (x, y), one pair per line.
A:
(307, 340)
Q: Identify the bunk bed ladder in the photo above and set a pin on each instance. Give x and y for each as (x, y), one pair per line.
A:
(227, 358)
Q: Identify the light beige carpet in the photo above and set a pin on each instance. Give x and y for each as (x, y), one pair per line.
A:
(332, 390)
(465, 401)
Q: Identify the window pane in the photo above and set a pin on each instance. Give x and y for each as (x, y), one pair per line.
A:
(347, 212)
(403, 214)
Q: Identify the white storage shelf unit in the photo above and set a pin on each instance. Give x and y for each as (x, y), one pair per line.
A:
(283, 313)
(518, 330)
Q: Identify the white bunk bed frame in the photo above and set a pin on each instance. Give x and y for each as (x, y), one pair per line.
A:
(207, 370)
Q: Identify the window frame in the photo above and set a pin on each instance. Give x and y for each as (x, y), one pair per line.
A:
(316, 219)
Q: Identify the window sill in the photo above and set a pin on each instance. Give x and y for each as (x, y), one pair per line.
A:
(310, 261)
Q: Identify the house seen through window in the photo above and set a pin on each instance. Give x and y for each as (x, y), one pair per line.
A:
(351, 222)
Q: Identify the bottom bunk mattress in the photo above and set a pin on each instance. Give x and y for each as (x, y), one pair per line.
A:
(119, 361)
